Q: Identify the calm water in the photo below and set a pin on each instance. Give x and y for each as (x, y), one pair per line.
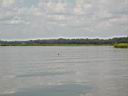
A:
(75, 71)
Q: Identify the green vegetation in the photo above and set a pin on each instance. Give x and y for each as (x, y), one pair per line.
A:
(66, 42)
(52, 45)
(121, 45)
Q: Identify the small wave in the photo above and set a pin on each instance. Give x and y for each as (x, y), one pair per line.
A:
(42, 74)
(8, 77)
(8, 93)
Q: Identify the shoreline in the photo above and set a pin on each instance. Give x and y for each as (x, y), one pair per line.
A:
(115, 42)
(55, 45)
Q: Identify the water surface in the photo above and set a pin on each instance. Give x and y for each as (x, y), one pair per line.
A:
(76, 71)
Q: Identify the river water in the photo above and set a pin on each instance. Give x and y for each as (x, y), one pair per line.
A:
(63, 71)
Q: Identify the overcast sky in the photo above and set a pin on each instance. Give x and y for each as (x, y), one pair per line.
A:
(31, 19)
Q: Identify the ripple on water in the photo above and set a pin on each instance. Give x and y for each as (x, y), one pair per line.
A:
(8, 93)
(56, 90)
(42, 74)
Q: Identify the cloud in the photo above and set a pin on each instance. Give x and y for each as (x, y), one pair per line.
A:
(79, 7)
(16, 20)
(47, 18)
(6, 3)
(53, 7)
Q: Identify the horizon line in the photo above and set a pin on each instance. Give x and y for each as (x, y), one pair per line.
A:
(96, 37)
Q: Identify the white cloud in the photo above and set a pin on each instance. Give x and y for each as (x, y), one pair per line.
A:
(6, 3)
(56, 17)
(79, 7)
(17, 22)
(58, 7)
(78, 10)
(37, 12)
(51, 17)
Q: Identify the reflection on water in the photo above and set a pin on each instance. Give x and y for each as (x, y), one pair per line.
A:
(41, 74)
(56, 90)
(76, 71)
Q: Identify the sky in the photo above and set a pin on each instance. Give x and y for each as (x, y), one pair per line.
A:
(32, 19)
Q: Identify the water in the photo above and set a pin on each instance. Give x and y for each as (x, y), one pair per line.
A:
(76, 71)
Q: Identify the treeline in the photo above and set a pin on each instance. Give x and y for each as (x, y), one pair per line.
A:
(68, 41)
